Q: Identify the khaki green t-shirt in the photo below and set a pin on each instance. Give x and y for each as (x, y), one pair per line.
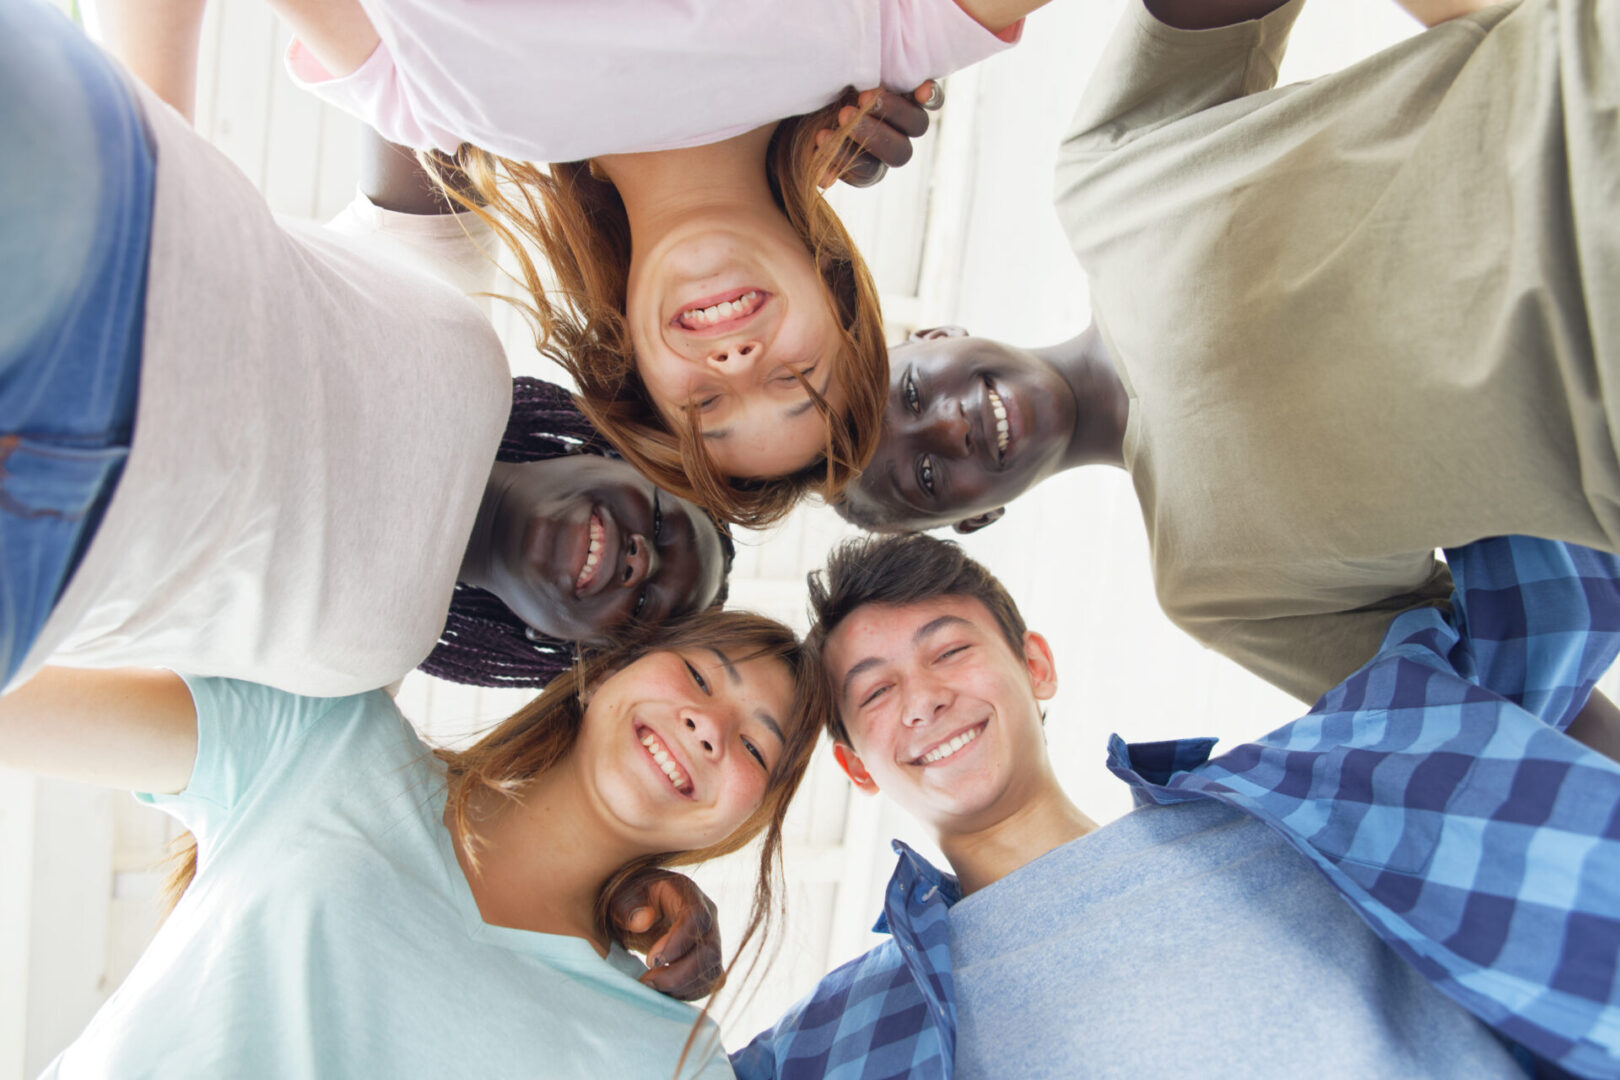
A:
(1359, 318)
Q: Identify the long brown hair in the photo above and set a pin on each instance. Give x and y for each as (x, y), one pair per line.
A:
(576, 220)
(543, 732)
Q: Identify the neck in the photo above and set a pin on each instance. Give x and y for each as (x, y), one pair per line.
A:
(541, 864)
(1101, 405)
(1040, 823)
(661, 189)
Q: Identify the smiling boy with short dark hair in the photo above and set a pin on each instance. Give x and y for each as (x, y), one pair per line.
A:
(1209, 933)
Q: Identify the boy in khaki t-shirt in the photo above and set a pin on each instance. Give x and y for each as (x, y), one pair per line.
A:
(1339, 324)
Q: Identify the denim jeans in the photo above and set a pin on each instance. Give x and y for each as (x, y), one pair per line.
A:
(76, 185)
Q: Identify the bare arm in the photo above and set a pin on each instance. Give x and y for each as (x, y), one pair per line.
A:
(133, 729)
(1435, 12)
(1208, 14)
(338, 33)
(998, 16)
(156, 42)
(1598, 725)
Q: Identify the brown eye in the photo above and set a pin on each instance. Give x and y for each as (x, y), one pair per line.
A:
(925, 473)
(908, 391)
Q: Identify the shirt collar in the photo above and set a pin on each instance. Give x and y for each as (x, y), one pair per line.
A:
(916, 883)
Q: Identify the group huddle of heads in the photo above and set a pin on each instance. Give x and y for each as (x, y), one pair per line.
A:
(665, 446)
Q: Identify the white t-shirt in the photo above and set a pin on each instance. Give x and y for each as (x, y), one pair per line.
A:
(570, 79)
(315, 428)
(330, 931)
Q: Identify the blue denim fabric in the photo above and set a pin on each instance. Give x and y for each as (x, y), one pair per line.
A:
(76, 184)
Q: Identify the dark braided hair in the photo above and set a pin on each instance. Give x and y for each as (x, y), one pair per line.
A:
(483, 643)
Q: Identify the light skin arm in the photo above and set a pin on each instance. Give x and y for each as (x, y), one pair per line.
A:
(998, 16)
(338, 33)
(134, 728)
(156, 42)
(1435, 12)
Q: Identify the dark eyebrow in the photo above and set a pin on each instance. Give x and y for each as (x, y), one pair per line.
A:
(863, 666)
(725, 662)
(931, 627)
(769, 721)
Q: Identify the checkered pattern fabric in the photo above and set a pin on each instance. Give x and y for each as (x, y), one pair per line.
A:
(1433, 788)
(1435, 791)
(888, 1014)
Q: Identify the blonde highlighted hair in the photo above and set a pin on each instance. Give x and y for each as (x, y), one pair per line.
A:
(575, 219)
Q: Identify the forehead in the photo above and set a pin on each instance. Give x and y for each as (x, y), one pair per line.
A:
(893, 633)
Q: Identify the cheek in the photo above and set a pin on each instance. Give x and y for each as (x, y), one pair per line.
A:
(745, 793)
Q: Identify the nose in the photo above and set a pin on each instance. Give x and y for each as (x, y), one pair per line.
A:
(926, 698)
(640, 562)
(703, 730)
(734, 357)
(945, 430)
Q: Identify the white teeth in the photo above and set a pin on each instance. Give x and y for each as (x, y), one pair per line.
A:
(1000, 411)
(593, 555)
(665, 762)
(946, 749)
(726, 309)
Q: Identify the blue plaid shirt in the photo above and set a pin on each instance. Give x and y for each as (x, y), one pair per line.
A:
(1433, 789)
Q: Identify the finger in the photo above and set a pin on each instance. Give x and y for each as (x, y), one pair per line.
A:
(899, 111)
(690, 924)
(882, 141)
(639, 921)
(691, 977)
(930, 95)
(863, 171)
(632, 912)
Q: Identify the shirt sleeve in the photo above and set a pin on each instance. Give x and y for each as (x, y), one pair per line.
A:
(1151, 75)
(244, 731)
(1307, 655)
(1539, 621)
(929, 39)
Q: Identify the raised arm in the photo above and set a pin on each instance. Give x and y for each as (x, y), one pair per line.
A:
(133, 729)
(338, 33)
(157, 42)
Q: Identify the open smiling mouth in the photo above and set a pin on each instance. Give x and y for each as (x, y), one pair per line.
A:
(593, 556)
(724, 312)
(952, 746)
(999, 411)
(664, 760)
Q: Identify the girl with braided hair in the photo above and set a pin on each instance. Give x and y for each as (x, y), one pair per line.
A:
(526, 626)
(254, 449)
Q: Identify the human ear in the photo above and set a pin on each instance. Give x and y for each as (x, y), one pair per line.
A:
(1042, 668)
(979, 521)
(850, 762)
(931, 333)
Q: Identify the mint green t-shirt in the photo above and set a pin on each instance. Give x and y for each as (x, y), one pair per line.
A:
(330, 931)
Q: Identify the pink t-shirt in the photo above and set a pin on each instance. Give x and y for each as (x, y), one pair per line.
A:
(564, 80)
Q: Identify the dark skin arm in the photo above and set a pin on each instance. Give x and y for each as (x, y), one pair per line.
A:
(1208, 14)
(1598, 725)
